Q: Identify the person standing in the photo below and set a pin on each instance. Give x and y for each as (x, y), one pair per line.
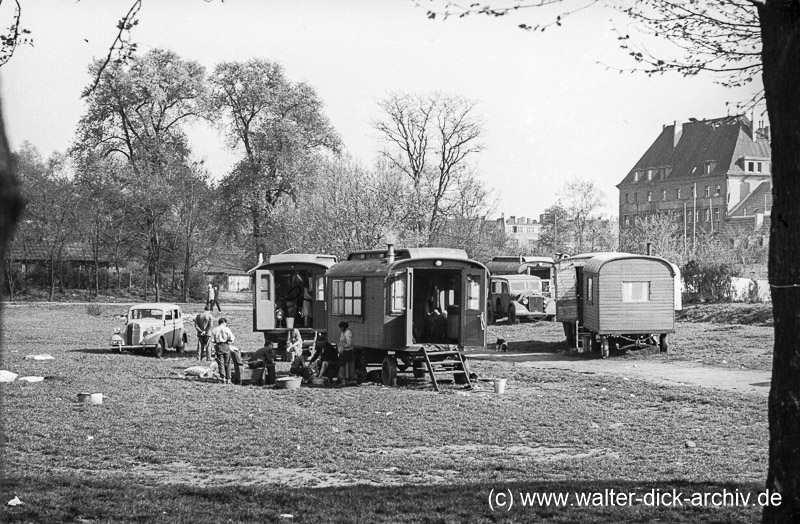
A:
(223, 338)
(347, 359)
(210, 298)
(216, 299)
(202, 324)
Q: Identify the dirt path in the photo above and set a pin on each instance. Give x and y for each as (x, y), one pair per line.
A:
(670, 373)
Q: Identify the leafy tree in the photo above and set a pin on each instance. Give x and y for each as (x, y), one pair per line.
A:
(278, 126)
(581, 200)
(135, 112)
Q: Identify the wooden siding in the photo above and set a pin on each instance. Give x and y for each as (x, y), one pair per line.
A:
(608, 314)
(566, 293)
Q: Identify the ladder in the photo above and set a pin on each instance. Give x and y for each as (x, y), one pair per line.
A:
(442, 364)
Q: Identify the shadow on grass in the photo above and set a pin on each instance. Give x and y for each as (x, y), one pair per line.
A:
(120, 498)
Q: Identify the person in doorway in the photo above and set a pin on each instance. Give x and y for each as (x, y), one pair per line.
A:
(216, 299)
(347, 359)
(210, 297)
(306, 311)
(223, 337)
(203, 323)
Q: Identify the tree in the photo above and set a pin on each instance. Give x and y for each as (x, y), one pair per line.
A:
(279, 126)
(738, 40)
(135, 112)
(429, 139)
(581, 199)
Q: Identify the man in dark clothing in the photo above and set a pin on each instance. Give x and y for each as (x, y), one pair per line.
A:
(327, 355)
(203, 324)
(264, 358)
(216, 300)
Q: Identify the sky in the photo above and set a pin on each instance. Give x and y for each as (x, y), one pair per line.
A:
(554, 106)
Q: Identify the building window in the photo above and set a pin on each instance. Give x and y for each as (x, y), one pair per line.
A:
(751, 166)
(636, 291)
(697, 215)
(717, 190)
(707, 215)
(708, 191)
(397, 295)
(716, 215)
(759, 167)
(678, 193)
(663, 194)
(649, 196)
(627, 220)
(710, 166)
(347, 297)
(637, 175)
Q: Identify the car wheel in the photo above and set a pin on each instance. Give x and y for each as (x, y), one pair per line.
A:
(182, 345)
(569, 333)
(663, 343)
(512, 315)
(158, 351)
(389, 371)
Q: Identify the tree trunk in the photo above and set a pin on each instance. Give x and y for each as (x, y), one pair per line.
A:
(52, 281)
(780, 34)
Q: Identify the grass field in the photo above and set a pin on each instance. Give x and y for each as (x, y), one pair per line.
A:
(164, 449)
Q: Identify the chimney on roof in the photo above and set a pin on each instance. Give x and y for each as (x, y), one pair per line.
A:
(677, 128)
(512, 219)
(260, 258)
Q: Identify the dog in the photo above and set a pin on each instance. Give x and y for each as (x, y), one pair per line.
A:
(501, 345)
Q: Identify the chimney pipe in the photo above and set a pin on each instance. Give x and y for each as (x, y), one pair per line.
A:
(649, 249)
(677, 128)
(260, 258)
(390, 254)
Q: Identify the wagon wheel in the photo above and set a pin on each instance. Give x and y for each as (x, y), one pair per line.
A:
(604, 347)
(512, 315)
(663, 343)
(158, 351)
(389, 371)
(182, 345)
(595, 342)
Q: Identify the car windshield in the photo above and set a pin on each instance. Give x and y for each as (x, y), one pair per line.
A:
(138, 314)
(521, 286)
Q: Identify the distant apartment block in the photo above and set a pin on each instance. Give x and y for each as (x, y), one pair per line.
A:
(711, 175)
(524, 231)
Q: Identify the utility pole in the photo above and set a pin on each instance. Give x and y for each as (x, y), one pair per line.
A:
(685, 241)
(694, 219)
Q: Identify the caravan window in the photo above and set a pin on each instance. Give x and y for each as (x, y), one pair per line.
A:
(473, 292)
(636, 291)
(347, 297)
(397, 294)
(320, 288)
(264, 287)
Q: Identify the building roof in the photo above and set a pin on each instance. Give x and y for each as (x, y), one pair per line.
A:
(723, 141)
(758, 201)
(226, 265)
(31, 251)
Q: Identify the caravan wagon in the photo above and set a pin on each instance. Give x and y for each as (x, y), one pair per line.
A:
(409, 308)
(610, 300)
(289, 292)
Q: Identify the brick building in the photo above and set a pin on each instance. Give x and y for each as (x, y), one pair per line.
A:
(711, 175)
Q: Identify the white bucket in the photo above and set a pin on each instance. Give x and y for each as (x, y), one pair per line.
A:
(290, 323)
(499, 386)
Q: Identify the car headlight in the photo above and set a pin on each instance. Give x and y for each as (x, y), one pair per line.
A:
(524, 301)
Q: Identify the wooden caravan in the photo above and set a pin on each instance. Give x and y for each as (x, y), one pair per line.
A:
(289, 291)
(627, 301)
(567, 290)
(409, 308)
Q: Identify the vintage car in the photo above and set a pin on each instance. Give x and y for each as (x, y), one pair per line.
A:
(155, 327)
(517, 297)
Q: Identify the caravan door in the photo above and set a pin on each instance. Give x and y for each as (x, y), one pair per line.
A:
(409, 306)
(473, 302)
(318, 306)
(264, 300)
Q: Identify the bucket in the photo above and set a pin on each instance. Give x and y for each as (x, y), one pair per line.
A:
(90, 398)
(290, 323)
(499, 386)
(288, 382)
